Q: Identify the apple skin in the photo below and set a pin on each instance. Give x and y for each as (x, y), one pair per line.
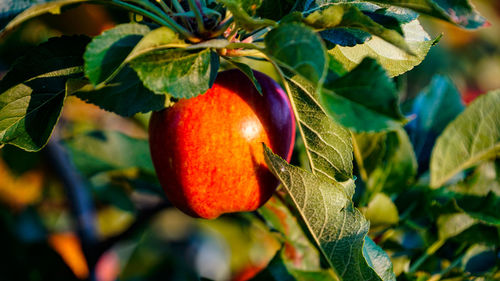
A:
(207, 150)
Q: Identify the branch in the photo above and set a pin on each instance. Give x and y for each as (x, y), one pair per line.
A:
(80, 200)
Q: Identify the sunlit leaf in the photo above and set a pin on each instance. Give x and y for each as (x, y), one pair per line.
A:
(365, 99)
(336, 226)
(97, 151)
(351, 16)
(177, 72)
(328, 145)
(473, 136)
(394, 60)
(460, 12)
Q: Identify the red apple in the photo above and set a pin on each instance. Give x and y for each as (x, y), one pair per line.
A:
(207, 150)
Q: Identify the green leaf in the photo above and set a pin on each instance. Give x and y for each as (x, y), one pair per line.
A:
(337, 227)
(365, 99)
(239, 10)
(394, 60)
(124, 95)
(432, 109)
(459, 12)
(33, 92)
(378, 260)
(158, 39)
(107, 51)
(451, 225)
(247, 71)
(386, 161)
(351, 16)
(99, 151)
(328, 145)
(381, 211)
(177, 72)
(298, 48)
(472, 137)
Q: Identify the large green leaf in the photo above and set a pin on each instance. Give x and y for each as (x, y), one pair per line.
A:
(337, 227)
(298, 48)
(124, 95)
(386, 160)
(393, 59)
(99, 151)
(177, 72)
(365, 99)
(460, 12)
(473, 136)
(351, 16)
(328, 145)
(32, 93)
(107, 51)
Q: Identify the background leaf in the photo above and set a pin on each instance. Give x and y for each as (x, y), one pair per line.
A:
(33, 92)
(473, 136)
(431, 111)
(24, 10)
(100, 151)
(365, 99)
(386, 161)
